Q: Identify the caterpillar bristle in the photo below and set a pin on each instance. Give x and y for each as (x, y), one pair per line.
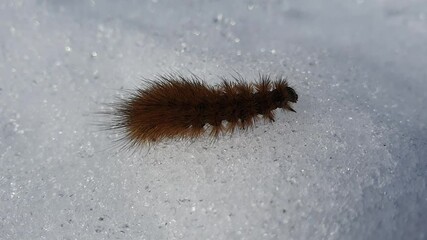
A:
(173, 106)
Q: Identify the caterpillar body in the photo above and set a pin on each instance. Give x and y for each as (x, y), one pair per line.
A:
(174, 106)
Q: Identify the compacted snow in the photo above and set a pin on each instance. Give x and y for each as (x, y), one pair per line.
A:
(350, 164)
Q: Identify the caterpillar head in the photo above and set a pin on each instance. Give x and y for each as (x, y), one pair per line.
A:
(293, 96)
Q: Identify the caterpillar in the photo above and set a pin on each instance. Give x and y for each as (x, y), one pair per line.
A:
(175, 106)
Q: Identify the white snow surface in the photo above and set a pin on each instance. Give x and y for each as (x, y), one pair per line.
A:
(350, 164)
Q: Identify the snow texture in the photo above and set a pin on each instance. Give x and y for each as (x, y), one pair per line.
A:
(350, 164)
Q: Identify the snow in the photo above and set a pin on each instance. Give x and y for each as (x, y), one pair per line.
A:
(350, 164)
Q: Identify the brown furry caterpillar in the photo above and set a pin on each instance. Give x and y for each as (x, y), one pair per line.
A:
(175, 106)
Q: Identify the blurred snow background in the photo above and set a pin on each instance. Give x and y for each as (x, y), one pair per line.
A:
(351, 164)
